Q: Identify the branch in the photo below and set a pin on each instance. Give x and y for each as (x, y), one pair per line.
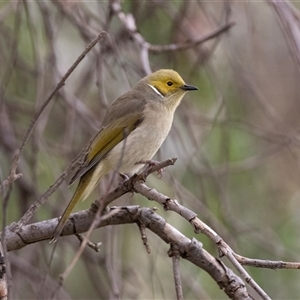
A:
(288, 16)
(260, 263)
(81, 222)
(175, 254)
(3, 276)
(189, 44)
(190, 250)
(58, 87)
(102, 204)
(34, 207)
(145, 47)
(199, 226)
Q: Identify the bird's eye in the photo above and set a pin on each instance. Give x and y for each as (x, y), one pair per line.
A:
(169, 83)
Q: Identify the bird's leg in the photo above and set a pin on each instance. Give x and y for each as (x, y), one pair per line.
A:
(125, 178)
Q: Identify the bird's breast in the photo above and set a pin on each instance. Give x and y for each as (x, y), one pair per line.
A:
(142, 143)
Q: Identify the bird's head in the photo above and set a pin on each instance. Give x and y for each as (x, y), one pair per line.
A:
(169, 86)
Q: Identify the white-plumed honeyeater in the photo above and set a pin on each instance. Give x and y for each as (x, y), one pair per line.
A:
(142, 119)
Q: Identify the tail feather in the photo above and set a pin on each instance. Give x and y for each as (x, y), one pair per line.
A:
(83, 190)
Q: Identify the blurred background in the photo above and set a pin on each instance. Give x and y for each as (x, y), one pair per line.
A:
(236, 139)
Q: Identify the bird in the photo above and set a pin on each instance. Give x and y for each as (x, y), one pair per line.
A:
(133, 129)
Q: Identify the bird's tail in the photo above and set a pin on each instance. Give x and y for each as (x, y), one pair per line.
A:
(82, 192)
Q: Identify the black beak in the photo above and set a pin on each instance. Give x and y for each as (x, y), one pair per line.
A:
(187, 87)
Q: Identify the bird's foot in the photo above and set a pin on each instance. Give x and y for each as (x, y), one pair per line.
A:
(123, 176)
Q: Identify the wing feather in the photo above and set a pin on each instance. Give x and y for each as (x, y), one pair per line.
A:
(107, 138)
(120, 120)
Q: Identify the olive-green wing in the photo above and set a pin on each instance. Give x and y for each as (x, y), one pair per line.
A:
(132, 102)
(107, 138)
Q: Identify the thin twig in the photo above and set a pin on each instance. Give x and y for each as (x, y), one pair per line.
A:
(94, 246)
(3, 275)
(58, 87)
(142, 229)
(269, 264)
(5, 190)
(288, 16)
(227, 251)
(175, 254)
(33, 208)
(129, 23)
(189, 44)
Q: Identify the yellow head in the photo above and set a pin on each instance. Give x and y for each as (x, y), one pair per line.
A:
(169, 86)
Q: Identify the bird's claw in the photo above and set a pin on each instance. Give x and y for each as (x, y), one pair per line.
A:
(123, 176)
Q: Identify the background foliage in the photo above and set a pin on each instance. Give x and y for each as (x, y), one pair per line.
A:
(236, 139)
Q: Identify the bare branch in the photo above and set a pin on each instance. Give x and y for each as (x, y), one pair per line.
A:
(189, 44)
(175, 254)
(3, 276)
(129, 22)
(199, 226)
(60, 180)
(290, 22)
(58, 87)
(189, 249)
(260, 263)
(142, 228)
